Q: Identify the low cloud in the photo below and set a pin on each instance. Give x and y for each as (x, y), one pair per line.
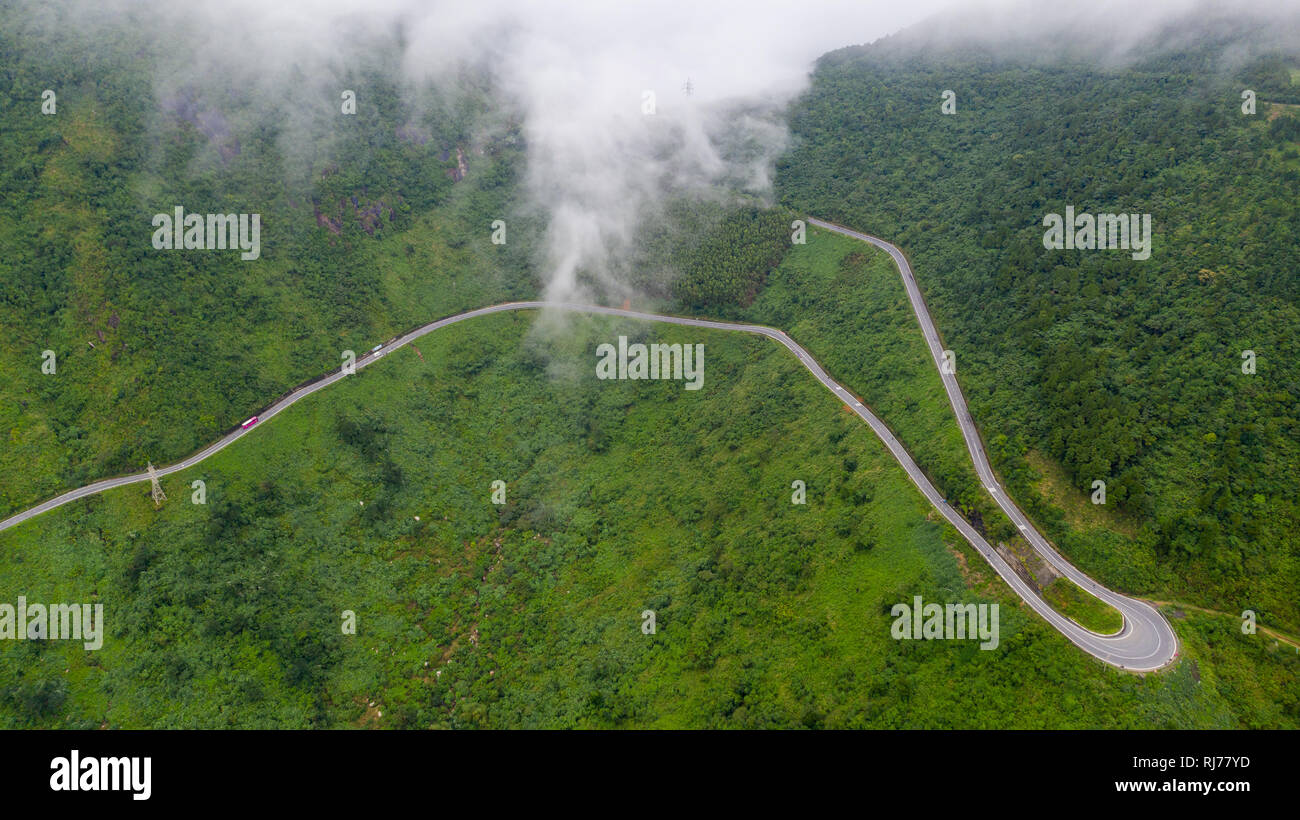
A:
(576, 73)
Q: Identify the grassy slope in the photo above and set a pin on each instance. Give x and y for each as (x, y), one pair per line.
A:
(846, 303)
(623, 496)
(1084, 609)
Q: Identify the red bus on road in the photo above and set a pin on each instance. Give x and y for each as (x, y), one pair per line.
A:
(249, 423)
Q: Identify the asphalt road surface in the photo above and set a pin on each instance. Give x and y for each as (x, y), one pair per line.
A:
(1146, 641)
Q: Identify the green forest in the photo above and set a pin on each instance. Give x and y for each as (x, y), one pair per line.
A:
(374, 237)
(620, 498)
(1119, 370)
(374, 497)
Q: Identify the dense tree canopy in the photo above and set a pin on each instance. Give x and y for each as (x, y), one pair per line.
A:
(1122, 370)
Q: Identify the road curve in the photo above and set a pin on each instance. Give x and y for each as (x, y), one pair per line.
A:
(1145, 643)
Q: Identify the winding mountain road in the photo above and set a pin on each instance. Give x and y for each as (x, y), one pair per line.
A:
(1146, 642)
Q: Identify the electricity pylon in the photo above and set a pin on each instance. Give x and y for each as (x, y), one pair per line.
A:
(158, 495)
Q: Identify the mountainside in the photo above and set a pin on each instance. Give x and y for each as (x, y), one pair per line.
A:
(1121, 370)
(374, 498)
(1165, 372)
(370, 224)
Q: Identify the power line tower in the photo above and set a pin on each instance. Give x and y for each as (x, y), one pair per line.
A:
(158, 495)
(688, 88)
